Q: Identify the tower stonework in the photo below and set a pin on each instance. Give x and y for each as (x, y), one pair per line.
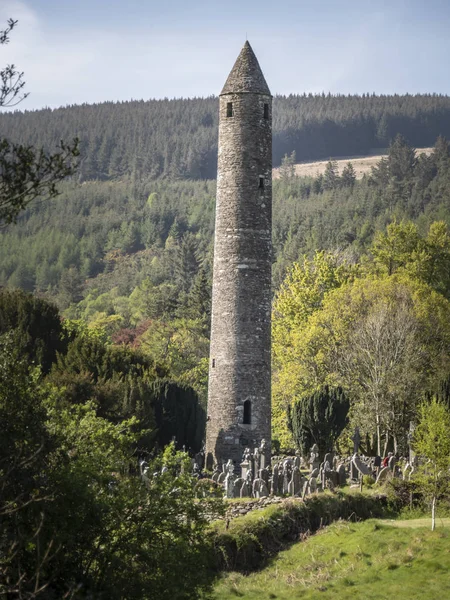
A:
(239, 392)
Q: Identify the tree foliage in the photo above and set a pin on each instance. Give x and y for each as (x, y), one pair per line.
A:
(75, 521)
(319, 419)
(432, 444)
(366, 338)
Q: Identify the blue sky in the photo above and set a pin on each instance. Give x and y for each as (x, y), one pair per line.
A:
(75, 51)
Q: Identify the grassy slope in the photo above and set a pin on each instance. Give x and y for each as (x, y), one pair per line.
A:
(364, 561)
(362, 164)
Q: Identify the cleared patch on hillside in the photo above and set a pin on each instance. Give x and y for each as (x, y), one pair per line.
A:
(364, 561)
(361, 164)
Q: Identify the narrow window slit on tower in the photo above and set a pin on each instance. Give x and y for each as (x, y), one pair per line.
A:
(229, 109)
(247, 412)
(213, 363)
(266, 111)
(261, 183)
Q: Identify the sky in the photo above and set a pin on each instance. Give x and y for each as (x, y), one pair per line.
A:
(85, 51)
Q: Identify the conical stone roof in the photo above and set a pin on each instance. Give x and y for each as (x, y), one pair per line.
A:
(246, 75)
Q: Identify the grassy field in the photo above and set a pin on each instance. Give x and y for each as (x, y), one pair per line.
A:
(361, 164)
(364, 561)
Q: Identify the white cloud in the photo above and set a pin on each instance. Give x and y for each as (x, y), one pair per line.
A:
(68, 65)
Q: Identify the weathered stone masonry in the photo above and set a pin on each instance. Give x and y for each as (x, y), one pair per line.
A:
(239, 371)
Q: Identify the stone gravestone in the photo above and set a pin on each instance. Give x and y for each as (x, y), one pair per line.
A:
(280, 478)
(221, 478)
(262, 454)
(264, 474)
(246, 489)
(328, 459)
(384, 474)
(238, 483)
(274, 485)
(256, 456)
(342, 474)
(215, 475)
(229, 480)
(245, 468)
(295, 484)
(356, 439)
(260, 488)
(361, 467)
(314, 461)
(312, 485)
(305, 491)
(286, 479)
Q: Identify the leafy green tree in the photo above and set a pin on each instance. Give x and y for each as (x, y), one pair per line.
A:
(365, 339)
(75, 521)
(300, 296)
(397, 247)
(427, 259)
(432, 444)
(25, 444)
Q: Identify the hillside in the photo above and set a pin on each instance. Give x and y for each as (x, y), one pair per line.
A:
(362, 164)
(365, 560)
(177, 139)
(131, 252)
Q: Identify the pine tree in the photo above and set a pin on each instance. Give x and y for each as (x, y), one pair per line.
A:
(331, 176)
(348, 176)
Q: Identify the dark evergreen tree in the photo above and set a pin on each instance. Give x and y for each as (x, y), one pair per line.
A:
(348, 177)
(319, 419)
(331, 176)
(35, 325)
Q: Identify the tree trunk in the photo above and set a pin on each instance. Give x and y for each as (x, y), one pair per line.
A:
(433, 513)
(378, 436)
(386, 443)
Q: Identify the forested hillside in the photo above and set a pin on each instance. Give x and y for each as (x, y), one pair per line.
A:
(178, 138)
(134, 256)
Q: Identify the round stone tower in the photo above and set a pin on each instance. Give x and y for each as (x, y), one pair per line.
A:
(239, 406)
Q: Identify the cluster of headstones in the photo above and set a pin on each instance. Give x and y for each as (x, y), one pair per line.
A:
(286, 476)
(254, 478)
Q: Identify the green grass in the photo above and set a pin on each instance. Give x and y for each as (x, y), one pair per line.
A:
(422, 522)
(364, 561)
